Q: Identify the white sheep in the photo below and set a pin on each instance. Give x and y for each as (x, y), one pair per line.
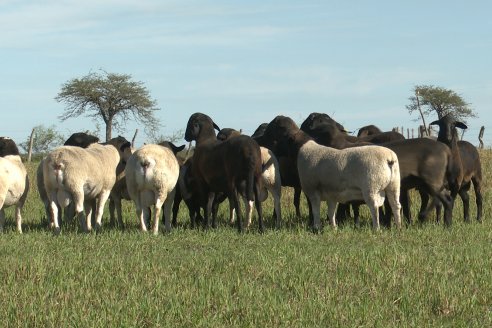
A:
(151, 176)
(367, 173)
(74, 174)
(14, 186)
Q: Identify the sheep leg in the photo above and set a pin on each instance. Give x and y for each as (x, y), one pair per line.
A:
(374, 213)
(18, 217)
(405, 204)
(157, 214)
(2, 218)
(355, 208)
(54, 217)
(248, 205)
(88, 215)
(208, 212)
(278, 208)
(112, 219)
(315, 203)
(177, 200)
(119, 213)
(103, 197)
(465, 198)
(297, 201)
(259, 210)
(332, 208)
(392, 196)
(478, 197)
(168, 203)
(235, 201)
(141, 217)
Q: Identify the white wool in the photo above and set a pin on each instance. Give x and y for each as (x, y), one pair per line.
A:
(367, 173)
(151, 176)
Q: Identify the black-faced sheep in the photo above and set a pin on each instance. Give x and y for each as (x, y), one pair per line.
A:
(468, 168)
(363, 173)
(14, 182)
(232, 166)
(270, 174)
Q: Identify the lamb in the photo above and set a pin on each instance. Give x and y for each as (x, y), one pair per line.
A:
(74, 174)
(468, 168)
(270, 174)
(229, 166)
(362, 173)
(151, 176)
(14, 182)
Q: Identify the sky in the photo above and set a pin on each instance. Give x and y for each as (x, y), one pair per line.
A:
(244, 62)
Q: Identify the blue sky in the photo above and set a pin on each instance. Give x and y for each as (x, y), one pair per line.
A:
(244, 62)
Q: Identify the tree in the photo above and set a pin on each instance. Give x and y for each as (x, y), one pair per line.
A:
(429, 99)
(45, 139)
(112, 97)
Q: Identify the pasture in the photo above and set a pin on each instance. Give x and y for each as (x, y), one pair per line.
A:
(421, 276)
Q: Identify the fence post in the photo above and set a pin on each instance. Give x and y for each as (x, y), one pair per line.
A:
(480, 137)
(31, 142)
(134, 137)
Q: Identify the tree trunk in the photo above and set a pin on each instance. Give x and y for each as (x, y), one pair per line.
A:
(421, 114)
(108, 129)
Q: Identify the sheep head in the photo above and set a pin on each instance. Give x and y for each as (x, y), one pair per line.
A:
(227, 133)
(278, 133)
(200, 126)
(447, 128)
(8, 147)
(81, 139)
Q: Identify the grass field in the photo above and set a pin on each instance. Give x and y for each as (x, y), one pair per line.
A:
(421, 276)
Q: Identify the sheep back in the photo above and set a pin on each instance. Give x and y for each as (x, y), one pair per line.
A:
(14, 183)
(344, 175)
(70, 168)
(152, 171)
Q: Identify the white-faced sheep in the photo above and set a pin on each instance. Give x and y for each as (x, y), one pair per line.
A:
(362, 173)
(14, 183)
(151, 176)
(73, 174)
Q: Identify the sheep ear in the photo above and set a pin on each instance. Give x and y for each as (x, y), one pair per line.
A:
(180, 148)
(434, 123)
(460, 125)
(216, 127)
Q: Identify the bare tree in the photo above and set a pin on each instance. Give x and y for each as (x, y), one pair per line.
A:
(112, 97)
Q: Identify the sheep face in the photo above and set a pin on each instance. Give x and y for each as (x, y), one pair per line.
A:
(447, 128)
(8, 147)
(277, 134)
(260, 131)
(197, 123)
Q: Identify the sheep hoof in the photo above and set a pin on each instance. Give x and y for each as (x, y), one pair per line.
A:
(97, 228)
(56, 231)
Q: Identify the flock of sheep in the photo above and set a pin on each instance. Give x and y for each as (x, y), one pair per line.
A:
(375, 168)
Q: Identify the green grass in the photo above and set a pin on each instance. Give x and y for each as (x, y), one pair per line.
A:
(420, 276)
